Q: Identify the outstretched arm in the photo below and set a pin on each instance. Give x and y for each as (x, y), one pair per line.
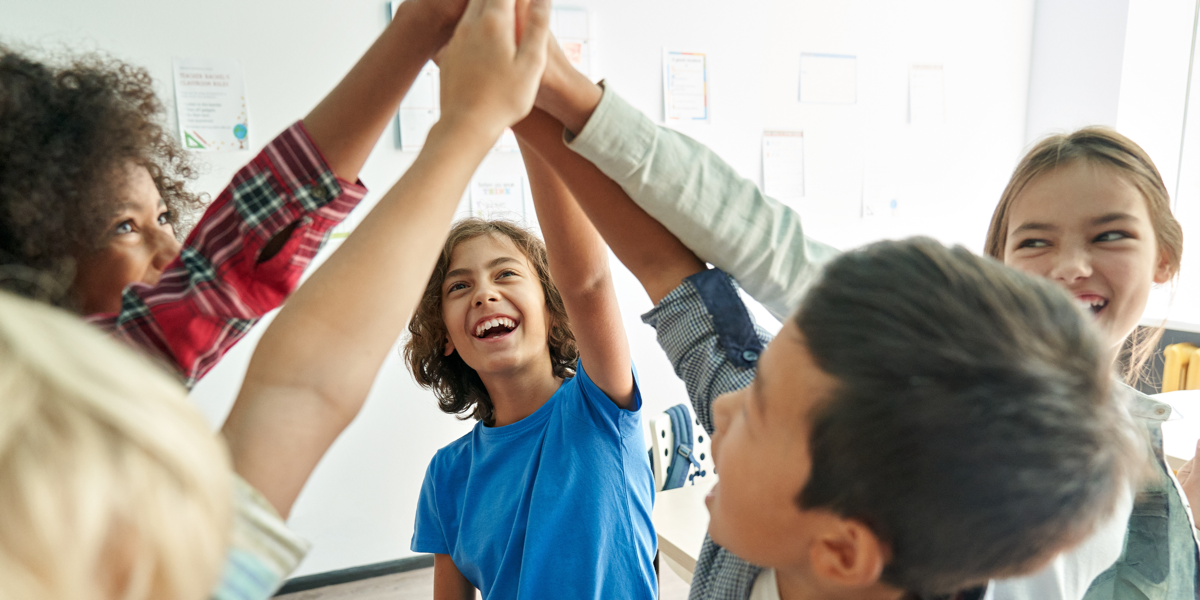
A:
(720, 215)
(656, 257)
(346, 124)
(579, 265)
(314, 366)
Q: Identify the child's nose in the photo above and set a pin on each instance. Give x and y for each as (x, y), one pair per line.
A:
(166, 248)
(1072, 265)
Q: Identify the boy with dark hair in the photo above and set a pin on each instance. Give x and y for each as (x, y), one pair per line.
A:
(925, 421)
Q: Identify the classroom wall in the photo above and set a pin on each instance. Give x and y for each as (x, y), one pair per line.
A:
(358, 508)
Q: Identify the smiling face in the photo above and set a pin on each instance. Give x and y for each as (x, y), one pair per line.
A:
(1089, 229)
(761, 451)
(494, 307)
(139, 244)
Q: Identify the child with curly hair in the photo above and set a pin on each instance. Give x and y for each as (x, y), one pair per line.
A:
(314, 366)
(92, 190)
(93, 194)
(551, 493)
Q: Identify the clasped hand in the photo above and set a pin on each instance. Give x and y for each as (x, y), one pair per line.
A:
(488, 78)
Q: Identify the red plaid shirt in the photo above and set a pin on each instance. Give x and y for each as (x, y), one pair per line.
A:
(211, 295)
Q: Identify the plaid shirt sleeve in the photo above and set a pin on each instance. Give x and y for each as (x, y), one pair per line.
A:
(211, 295)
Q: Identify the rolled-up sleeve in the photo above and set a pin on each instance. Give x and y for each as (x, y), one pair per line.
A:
(721, 216)
(710, 338)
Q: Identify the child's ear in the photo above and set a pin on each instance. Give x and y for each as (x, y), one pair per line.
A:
(849, 554)
(449, 347)
(1162, 271)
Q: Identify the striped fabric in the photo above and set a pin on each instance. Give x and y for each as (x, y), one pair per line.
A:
(211, 295)
(713, 345)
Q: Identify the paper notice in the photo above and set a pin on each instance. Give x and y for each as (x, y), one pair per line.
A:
(210, 98)
(783, 164)
(685, 86)
(828, 78)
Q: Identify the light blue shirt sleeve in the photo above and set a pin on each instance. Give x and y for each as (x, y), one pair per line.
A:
(714, 211)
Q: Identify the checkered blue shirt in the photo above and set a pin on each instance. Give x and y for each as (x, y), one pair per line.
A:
(714, 345)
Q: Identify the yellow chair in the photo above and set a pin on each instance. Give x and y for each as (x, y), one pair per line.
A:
(1175, 367)
(1193, 375)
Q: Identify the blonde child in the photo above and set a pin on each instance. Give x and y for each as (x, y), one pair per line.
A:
(111, 483)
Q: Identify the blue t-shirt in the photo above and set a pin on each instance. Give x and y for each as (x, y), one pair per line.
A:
(556, 505)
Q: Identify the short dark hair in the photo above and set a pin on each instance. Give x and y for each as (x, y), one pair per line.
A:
(974, 427)
(457, 386)
(68, 129)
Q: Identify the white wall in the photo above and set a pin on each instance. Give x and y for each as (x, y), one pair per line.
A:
(359, 505)
(1075, 75)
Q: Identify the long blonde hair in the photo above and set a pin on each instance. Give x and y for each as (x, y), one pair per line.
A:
(1100, 146)
(111, 484)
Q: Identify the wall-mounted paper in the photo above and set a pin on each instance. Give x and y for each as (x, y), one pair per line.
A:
(210, 98)
(420, 109)
(783, 164)
(570, 27)
(828, 78)
(498, 194)
(685, 86)
(926, 95)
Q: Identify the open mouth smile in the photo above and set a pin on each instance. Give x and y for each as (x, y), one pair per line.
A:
(495, 327)
(1092, 302)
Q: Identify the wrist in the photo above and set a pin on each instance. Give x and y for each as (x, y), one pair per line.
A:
(436, 26)
(469, 129)
(571, 98)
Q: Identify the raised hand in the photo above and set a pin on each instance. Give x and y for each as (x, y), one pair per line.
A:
(441, 14)
(489, 79)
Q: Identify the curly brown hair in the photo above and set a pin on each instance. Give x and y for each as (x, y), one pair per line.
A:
(458, 388)
(68, 130)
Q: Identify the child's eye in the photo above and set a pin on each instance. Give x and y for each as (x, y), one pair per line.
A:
(456, 286)
(1033, 244)
(1112, 236)
(164, 218)
(506, 274)
(124, 227)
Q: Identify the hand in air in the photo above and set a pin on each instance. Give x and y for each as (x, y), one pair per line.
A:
(488, 79)
(444, 13)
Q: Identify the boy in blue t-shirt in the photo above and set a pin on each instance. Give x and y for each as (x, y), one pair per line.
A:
(550, 495)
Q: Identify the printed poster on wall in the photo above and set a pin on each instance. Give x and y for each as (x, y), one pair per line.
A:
(783, 164)
(210, 99)
(828, 78)
(685, 86)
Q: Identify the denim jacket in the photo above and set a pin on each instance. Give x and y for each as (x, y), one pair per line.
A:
(1160, 557)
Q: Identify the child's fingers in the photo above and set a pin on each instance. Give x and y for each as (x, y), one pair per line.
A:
(531, 53)
(474, 10)
(506, 10)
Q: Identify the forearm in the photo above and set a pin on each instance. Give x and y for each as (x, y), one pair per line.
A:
(579, 267)
(656, 257)
(720, 215)
(314, 366)
(346, 124)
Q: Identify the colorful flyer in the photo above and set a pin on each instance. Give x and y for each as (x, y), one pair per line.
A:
(685, 86)
(210, 99)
